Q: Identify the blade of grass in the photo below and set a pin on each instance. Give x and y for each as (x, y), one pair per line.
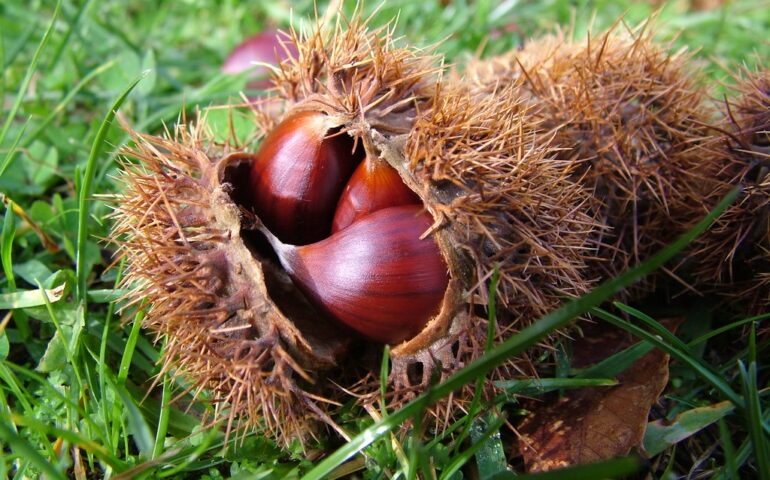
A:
(50, 390)
(615, 468)
(17, 388)
(102, 364)
(11, 153)
(64, 102)
(85, 187)
(655, 326)
(6, 245)
(74, 438)
(617, 363)
(165, 412)
(6, 256)
(728, 449)
(125, 364)
(9, 56)
(741, 456)
(188, 457)
(539, 386)
(726, 328)
(516, 344)
(136, 422)
(415, 446)
(490, 458)
(21, 472)
(2, 77)
(459, 460)
(28, 75)
(106, 295)
(68, 343)
(65, 40)
(753, 412)
(384, 369)
(704, 370)
(477, 392)
(22, 448)
(128, 352)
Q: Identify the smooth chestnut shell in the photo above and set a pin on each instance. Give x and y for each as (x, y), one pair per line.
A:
(373, 186)
(264, 47)
(298, 176)
(376, 276)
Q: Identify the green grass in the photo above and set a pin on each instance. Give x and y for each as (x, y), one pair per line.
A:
(74, 376)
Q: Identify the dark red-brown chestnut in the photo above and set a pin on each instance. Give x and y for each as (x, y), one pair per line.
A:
(298, 175)
(263, 47)
(374, 185)
(376, 276)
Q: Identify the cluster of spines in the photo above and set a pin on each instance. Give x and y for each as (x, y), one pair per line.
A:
(177, 270)
(633, 122)
(507, 199)
(504, 201)
(742, 234)
(354, 72)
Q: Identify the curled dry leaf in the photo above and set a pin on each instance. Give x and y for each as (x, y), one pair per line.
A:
(594, 423)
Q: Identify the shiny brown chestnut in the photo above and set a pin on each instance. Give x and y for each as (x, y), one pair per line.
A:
(298, 176)
(376, 276)
(373, 186)
(266, 47)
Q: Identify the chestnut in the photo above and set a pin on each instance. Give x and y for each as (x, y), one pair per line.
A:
(298, 175)
(373, 186)
(263, 47)
(376, 276)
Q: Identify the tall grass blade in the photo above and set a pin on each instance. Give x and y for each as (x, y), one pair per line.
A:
(85, 187)
(655, 326)
(21, 447)
(540, 386)
(65, 101)
(28, 75)
(74, 438)
(137, 425)
(6, 245)
(12, 150)
(65, 40)
(704, 370)
(165, 413)
(617, 363)
(459, 460)
(753, 412)
(730, 326)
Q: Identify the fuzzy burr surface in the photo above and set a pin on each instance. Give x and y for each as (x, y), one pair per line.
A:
(633, 121)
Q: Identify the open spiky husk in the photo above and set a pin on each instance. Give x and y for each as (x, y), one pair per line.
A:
(204, 291)
(213, 299)
(632, 120)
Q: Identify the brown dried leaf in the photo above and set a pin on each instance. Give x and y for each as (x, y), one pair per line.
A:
(600, 340)
(594, 423)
